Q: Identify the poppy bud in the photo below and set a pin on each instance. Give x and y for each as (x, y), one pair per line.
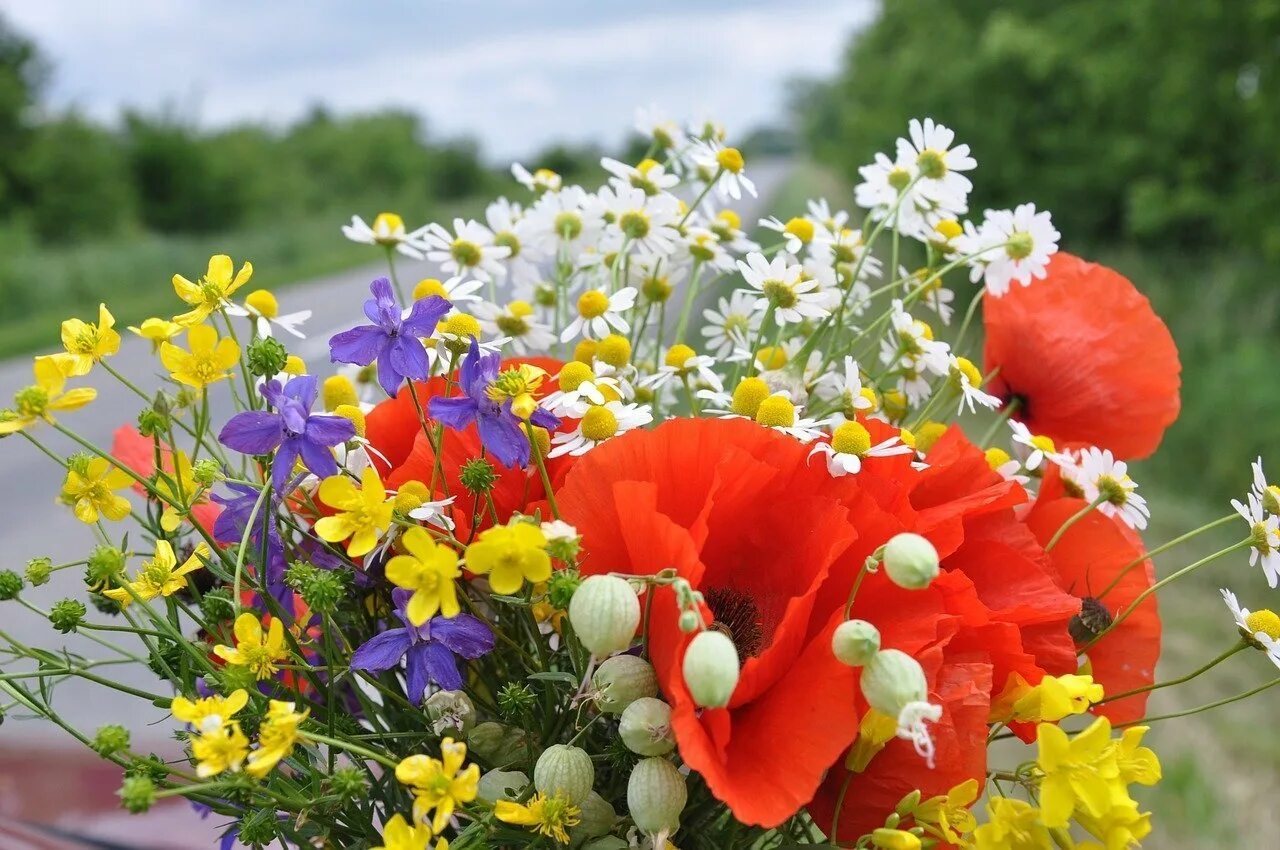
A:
(891, 680)
(911, 561)
(566, 771)
(855, 642)
(501, 785)
(605, 614)
(621, 680)
(645, 727)
(711, 669)
(656, 795)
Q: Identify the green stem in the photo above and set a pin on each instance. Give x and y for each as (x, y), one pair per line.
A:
(1151, 553)
(1181, 679)
(1072, 520)
(1202, 708)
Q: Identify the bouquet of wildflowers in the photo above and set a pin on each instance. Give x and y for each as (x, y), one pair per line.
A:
(634, 529)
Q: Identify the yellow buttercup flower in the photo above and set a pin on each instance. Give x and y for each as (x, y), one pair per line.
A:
(550, 816)
(208, 361)
(157, 330)
(179, 491)
(209, 713)
(399, 834)
(87, 343)
(91, 491)
(440, 785)
(364, 512)
(218, 750)
(160, 576)
(429, 570)
(509, 554)
(1080, 773)
(1013, 825)
(258, 651)
(950, 814)
(38, 401)
(211, 291)
(276, 737)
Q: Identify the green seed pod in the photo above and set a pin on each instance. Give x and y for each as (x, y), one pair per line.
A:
(711, 669)
(501, 785)
(450, 711)
(137, 793)
(910, 561)
(110, 740)
(566, 771)
(597, 818)
(656, 795)
(621, 680)
(608, 842)
(605, 614)
(645, 727)
(891, 680)
(38, 571)
(688, 622)
(498, 744)
(855, 642)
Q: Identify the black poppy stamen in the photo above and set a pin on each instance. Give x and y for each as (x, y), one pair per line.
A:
(738, 616)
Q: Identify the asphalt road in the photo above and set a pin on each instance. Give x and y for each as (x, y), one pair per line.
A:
(32, 523)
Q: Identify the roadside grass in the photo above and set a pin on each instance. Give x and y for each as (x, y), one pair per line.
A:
(42, 285)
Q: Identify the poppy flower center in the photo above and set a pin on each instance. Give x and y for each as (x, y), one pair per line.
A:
(738, 617)
(1093, 620)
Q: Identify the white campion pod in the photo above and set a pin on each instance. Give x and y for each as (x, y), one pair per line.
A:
(621, 680)
(596, 818)
(855, 642)
(910, 561)
(892, 680)
(501, 785)
(645, 727)
(656, 795)
(711, 669)
(566, 771)
(605, 613)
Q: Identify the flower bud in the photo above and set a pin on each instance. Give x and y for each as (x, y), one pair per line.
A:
(478, 475)
(891, 680)
(266, 357)
(711, 669)
(349, 783)
(656, 795)
(137, 793)
(645, 727)
(10, 585)
(605, 614)
(688, 622)
(205, 472)
(894, 839)
(110, 740)
(621, 680)
(597, 818)
(910, 561)
(39, 570)
(67, 615)
(566, 771)
(450, 711)
(501, 785)
(561, 587)
(855, 642)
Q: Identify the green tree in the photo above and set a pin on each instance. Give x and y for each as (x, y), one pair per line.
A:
(81, 185)
(22, 75)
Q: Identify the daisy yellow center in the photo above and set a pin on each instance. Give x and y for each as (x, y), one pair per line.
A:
(899, 178)
(678, 355)
(428, 287)
(800, 228)
(352, 414)
(1265, 621)
(569, 225)
(599, 423)
(522, 309)
(460, 325)
(634, 223)
(730, 159)
(545, 295)
(1260, 538)
(1044, 444)
(466, 253)
(748, 396)
(948, 229)
(736, 325)
(772, 357)
(592, 304)
(574, 374)
(1271, 499)
(1112, 490)
(842, 253)
(545, 176)
(614, 350)
(263, 302)
(656, 288)
(851, 438)
(507, 239)
(964, 366)
(928, 434)
(907, 437)
(997, 457)
(1019, 246)
(932, 163)
(730, 219)
(387, 222)
(780, 293)
(703, 247)
(776, 412)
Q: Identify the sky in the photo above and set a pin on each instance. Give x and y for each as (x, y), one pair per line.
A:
(513, 74)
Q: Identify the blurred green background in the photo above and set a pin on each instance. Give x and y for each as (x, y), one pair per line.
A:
(1151, 130)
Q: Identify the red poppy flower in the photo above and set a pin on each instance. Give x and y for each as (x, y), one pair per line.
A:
(138, 453)
(1086, 560)
(1086, 357)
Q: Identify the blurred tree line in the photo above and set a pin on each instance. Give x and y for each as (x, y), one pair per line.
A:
(1144, 121)
(65, 178)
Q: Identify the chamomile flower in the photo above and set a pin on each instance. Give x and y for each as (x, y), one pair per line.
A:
(932, 293)
(965, 377)
(1253, 626)
(851, 444)
(645, 224)
(469, 250)
(541, 180)
(723, 165)
(516, 321)
(845, 251)
(1009, 467)
(887, 191)
(727, 226)
(845, 390)
(733, 325)
(910, 345)
(264, 311)
(388, 230)
(830, 223)
(796, 232)
(704, 247)
(647, 175)
(585, 384)
(1106, 480)
(1035, 449)
(1011, 245)
(665, 133)
(778, 412)
(784, 287)
(600, 422)
(683, 362)
(558, 222)
(939, 164)
(598, 312)
(1268, 494)
(507, 222)
(1264, 536)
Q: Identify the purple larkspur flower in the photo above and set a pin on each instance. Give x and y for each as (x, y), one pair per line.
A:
(229, 528)
(292, 431)
(394, 340)
(501, 431)
(430, 651)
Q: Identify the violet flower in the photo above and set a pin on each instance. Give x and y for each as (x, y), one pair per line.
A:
(501, 431)
(291, 430)
(230, 526)
(429, 650)
(394, 340)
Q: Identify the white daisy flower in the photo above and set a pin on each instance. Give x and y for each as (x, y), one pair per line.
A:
(910, 345)
(1106, 480)
(784, 286)
(517, 322)
(704, 247)
(1264, 545)
(681, 361)
(582, 385)
(558, 222)
(846, 248)
(851, 444)
(506, 220)
(935, 296)
(469, 249)
(883, 183)
(844, 389)
(939, 164)
(796, 232)
(781, 414)
(433, 513)
(1011, 245)
(599, 314)
(832, 224)
(724, 165)
(649, 176)
(727, 226)
(665, 133)
(645, 224)
(1260, 628)
(734, 324)
(388, 230)
(541, 180)
(1032, 449)
(264, 311)
(456, 290)
(968, 379)
(601, 422)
